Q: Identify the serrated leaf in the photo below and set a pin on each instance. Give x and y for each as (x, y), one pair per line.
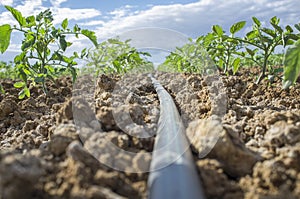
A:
(17, 15)
(19, 84)
(256, 21)
(91, 35)
(218, 30)
(5, 32)
(237, 27)
(65, 24)
(292, 65)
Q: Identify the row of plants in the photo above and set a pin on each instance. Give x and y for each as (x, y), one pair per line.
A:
(115, 56)
(256, 48)
(44, 52)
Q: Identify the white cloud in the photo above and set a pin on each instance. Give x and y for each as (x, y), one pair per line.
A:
(56, 3)
(33, 7)
(197, 18)
(192, 19)
(92, 23)
(76, 14)
(6, 2)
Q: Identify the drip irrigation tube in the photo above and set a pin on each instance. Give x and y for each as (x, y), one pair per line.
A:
(172, 170)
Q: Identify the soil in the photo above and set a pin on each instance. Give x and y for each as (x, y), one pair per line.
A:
(245, 137)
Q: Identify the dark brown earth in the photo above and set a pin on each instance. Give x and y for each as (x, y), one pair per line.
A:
(44, 154)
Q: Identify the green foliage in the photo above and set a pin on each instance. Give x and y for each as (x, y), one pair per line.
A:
(261, 42)
(43, 48)
(5, 32)
(8, 71)
(115, 56)
(191, 58)
(228, 52)
(223, 48)
(292, 65)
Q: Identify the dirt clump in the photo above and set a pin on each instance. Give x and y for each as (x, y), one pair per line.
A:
(94, 138)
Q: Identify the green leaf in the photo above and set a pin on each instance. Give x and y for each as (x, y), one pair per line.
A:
(218, 30)
(297, 26)
(251, 52)
(26, 91)
(256, 21)
(17, 15)
(5, 32)
(30, 21)
(292, 65)
(236, 65)
(269, 32)
(275, 20)
(63, 42)
(293, 37)
(91, 35)
(50, 68)
(74, 73)
(19, 84)
(237, 27)
(64, 24)
(29, 41)
(289, 29)
(76, 28)
(115, 41)
(21, 94)
(251, 35)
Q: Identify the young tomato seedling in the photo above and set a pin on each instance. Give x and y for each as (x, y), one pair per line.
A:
(43, 48)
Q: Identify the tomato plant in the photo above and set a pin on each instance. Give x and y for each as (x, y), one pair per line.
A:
(8, 71)
(260, 42)
(223, 48)
(115, 56)
(191, 58)
(43, 48)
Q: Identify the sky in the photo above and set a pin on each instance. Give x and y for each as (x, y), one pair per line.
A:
(109, 18)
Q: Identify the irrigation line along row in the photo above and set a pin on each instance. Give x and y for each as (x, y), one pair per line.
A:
(173, 173)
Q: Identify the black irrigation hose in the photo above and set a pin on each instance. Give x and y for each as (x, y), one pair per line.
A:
(173, 173)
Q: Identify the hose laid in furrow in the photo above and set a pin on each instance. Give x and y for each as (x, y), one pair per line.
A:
(172, 170)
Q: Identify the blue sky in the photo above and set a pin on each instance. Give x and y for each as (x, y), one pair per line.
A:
(112, 17)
